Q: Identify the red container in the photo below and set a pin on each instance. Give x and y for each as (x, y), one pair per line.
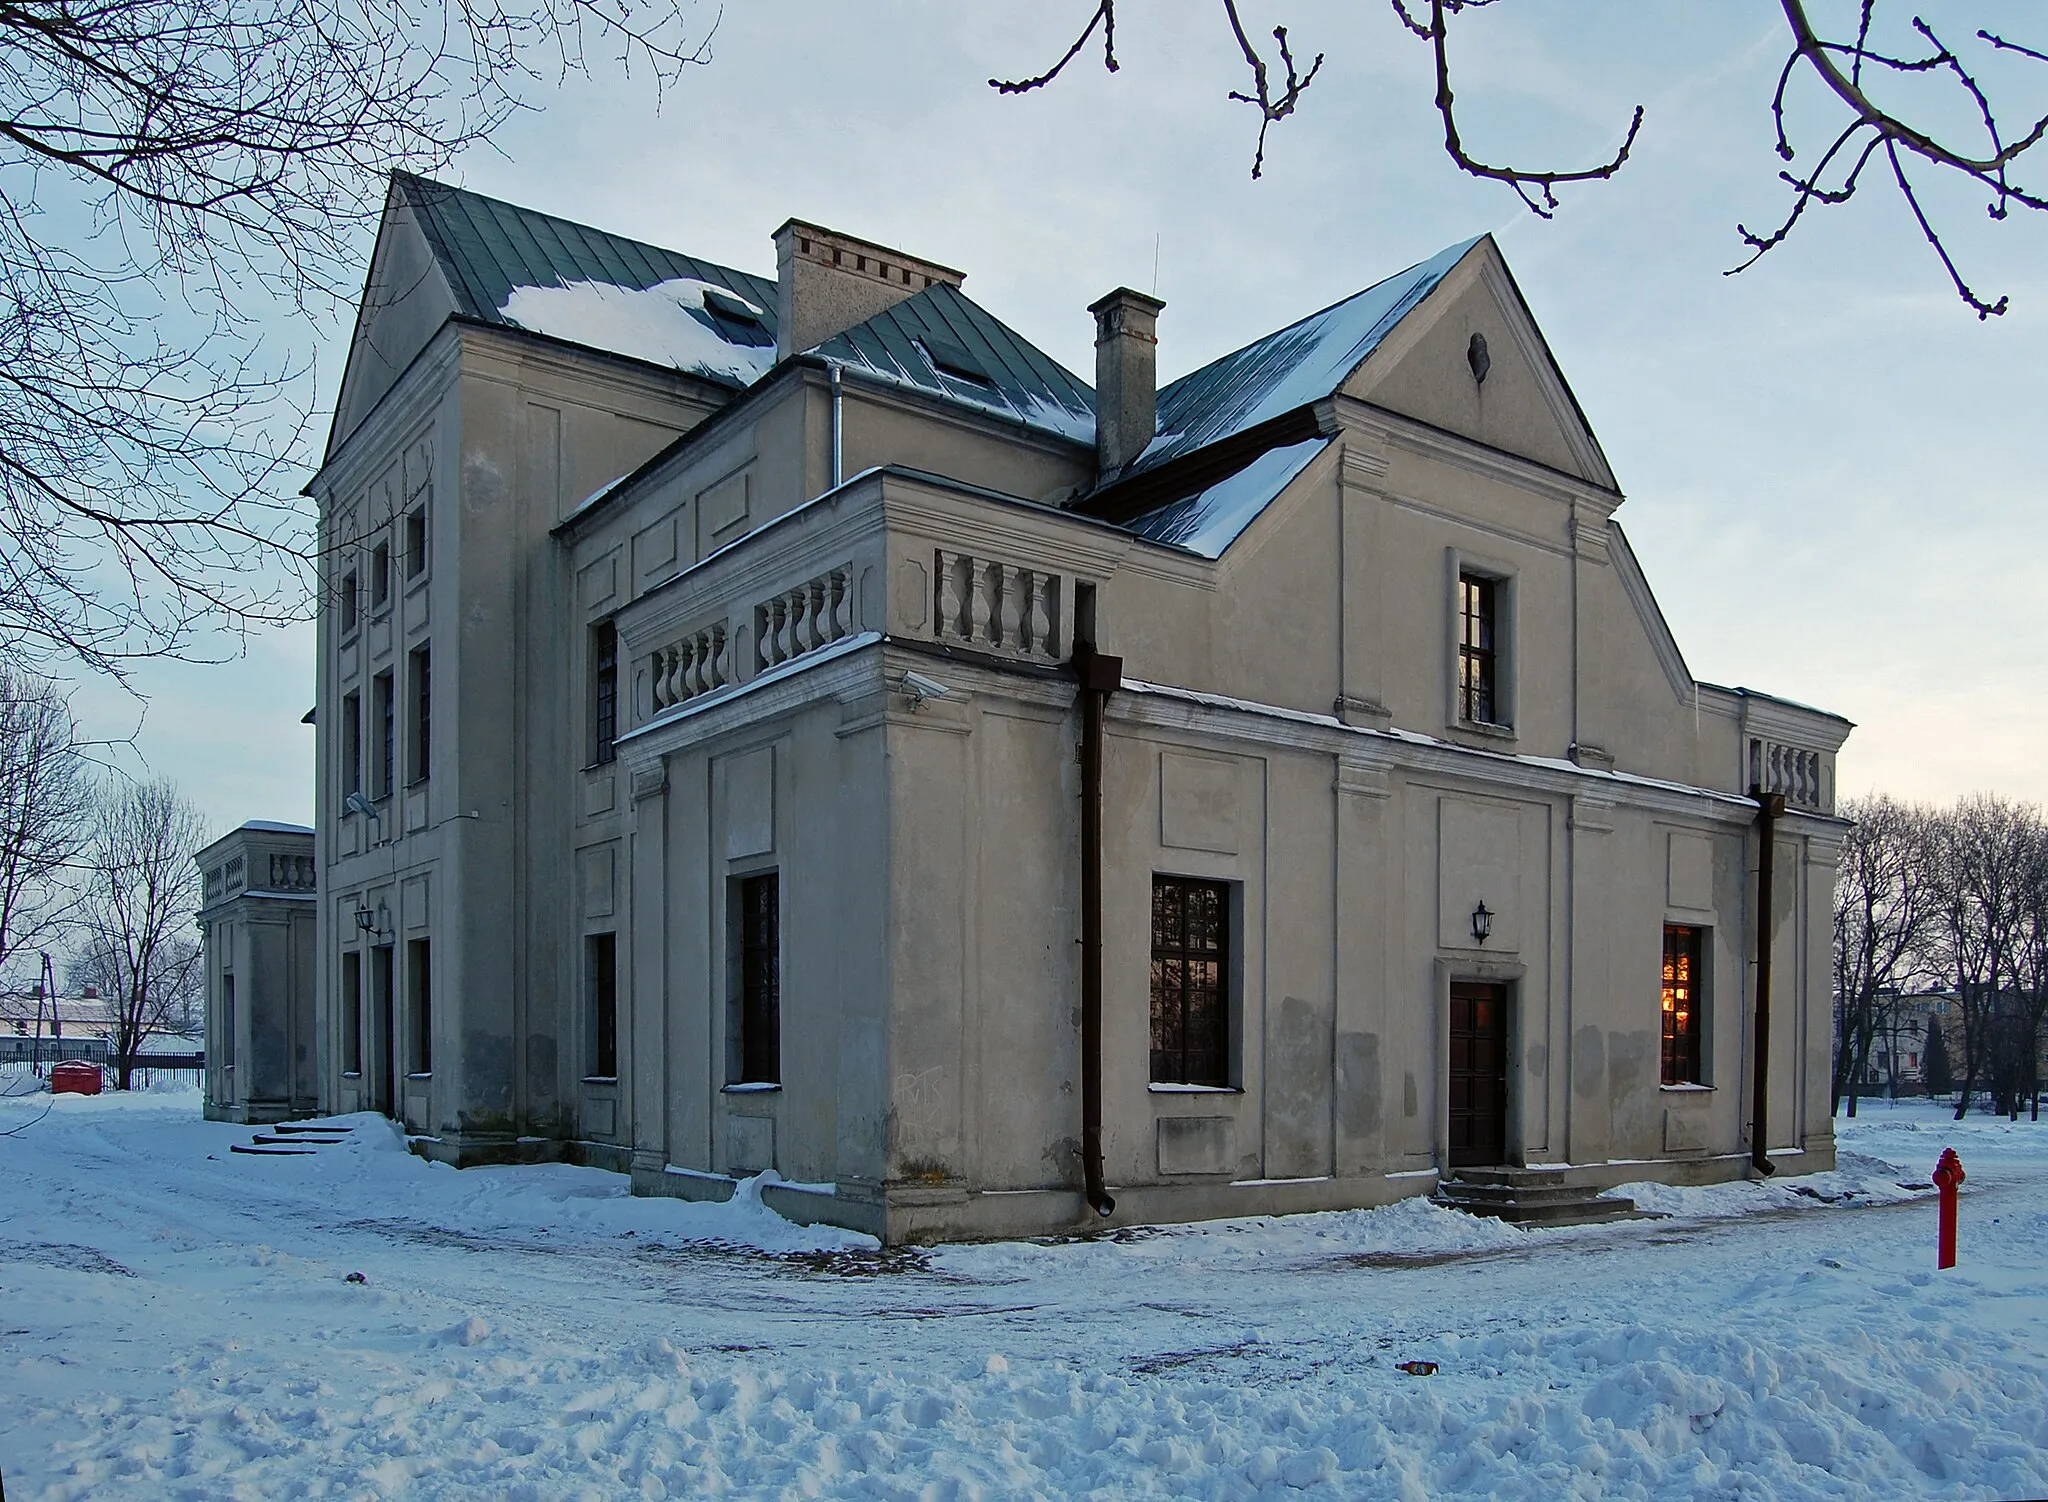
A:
(74, 1077)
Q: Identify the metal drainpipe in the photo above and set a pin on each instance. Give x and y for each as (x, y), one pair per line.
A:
(1770, 807)
(1100, 676)
(838, 428)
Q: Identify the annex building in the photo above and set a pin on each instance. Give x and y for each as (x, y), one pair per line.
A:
(793, 724)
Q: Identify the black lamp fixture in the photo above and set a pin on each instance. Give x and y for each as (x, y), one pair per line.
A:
(365, 919)
(1482, 921)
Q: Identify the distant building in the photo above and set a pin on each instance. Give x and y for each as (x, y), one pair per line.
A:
(35, 1026)
(720, 678)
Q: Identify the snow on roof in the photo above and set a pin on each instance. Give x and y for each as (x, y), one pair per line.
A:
(1300, 364)
(666, 324)
(269, 826)
(1210, 521)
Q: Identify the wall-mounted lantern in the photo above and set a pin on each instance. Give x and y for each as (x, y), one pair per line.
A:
(1482, 922)
(365, 919)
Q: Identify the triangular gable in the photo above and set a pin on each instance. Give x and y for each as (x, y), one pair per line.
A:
(1300, 364)
(1424, 369)
(942, 343)
(406, 299)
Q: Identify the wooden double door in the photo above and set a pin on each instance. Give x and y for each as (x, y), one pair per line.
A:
(1478, 1074)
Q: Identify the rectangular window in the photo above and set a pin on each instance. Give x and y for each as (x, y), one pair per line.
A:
(352, 1013)
(349, 602)
(1478, 659)
(420, 687)
(604, 692)
(416, 541)
(351, 744)
(1683, 1017)
(754, 1031)
(419, 985)
(380, 575)
(387, 729)
(227, 1021)
(1190, 981)
(601, 982)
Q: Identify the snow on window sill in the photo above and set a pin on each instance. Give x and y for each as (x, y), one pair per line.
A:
(749, 1087)
(1486, 728)
(600, 1079)
(1173, 1089)
(1687, 1089)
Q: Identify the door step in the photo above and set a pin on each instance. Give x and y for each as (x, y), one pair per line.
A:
(270, 1152)
(1531, 1197)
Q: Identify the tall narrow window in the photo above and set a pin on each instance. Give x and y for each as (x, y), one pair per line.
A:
(1190, 981)
(416, 541)
(420, 687)
(604, 692)
(1682, 1005)
(349, 602)
(755, 1031)
(227, 1021)
(387, 729)
(1478, 661)
(352, 1012)
(380, 574)
(419, 984)
(601, 980)
(351, 744)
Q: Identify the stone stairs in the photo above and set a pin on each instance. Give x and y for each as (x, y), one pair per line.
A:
(1532, 1197)
(291, 1140)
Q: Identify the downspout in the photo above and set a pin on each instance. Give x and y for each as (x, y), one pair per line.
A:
(1770, 807)
(1100, 676)
(838, 428)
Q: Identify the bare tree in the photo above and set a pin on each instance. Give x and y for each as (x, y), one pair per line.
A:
(138, 896)
(1884, 911)
(1981, 851)
(170, 175)
(1918, 101)
(45, 796)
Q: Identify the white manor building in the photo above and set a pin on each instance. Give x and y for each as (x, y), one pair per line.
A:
(792, 723)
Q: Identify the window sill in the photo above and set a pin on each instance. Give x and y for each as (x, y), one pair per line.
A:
(1688, 1089)
(1163, 1088)
(600, 1079)
(750, 1087)
(1486, 728)
(351, 1074)
(421, 1074)
(417, 783)
(601, 766)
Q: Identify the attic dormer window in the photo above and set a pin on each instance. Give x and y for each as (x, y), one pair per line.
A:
(950, 359)
(737, 320)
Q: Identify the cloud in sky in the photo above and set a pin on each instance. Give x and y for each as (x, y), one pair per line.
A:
(1831, 464)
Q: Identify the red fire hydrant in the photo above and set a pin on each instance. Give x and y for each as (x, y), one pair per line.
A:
(1948, 1178)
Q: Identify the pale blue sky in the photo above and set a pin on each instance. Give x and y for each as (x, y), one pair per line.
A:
(1833, 468)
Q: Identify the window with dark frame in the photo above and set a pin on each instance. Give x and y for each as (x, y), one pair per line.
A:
(352, 1012)
(604, 692)
(350, 602)
(1682, 1005)
(351, 744)
(380, 575)
(420, 687)
(1190, 981)
(227, 1021)
(416, 541)
(755, 1034)
(601, 979)
(1478, 649)
(381, 704)
(419, 982)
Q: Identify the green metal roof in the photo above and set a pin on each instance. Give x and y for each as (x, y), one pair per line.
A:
(942, 343)
(492, 251)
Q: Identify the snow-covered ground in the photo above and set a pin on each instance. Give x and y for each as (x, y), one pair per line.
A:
(179, 1321)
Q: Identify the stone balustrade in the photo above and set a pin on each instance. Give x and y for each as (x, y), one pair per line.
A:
(1794, 771)
(692, 664)
(795, 621)
(997, 607)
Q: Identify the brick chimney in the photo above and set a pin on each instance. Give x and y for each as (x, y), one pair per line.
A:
(1126, 376)
(827, 282)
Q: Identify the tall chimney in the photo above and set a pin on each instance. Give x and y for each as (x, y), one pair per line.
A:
(826, 282)
(1126, 376)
